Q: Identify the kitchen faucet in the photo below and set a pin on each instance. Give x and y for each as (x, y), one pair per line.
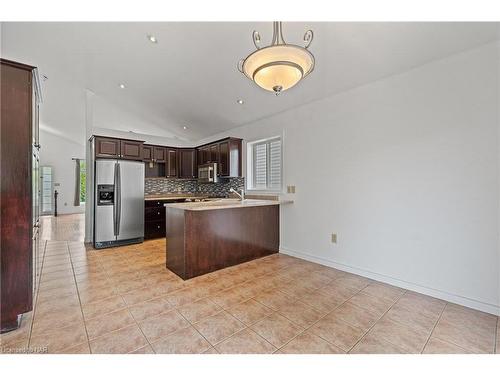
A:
(242, 195)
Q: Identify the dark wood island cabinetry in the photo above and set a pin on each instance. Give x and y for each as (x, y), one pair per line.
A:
(204, 240)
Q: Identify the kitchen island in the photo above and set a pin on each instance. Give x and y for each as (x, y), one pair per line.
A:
(203, 237)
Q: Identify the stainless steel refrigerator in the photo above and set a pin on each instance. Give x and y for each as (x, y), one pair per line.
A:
(119, 203)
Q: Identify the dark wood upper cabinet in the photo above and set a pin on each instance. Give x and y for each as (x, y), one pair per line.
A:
(147, 153)
(20, 191)
(159, 154)
(224, 158)
(214, 153)
(118, 148)
(107, 147)
(172, 162)
(199, 153)
(226, 153)
(230, 157)
(131, 150)
(187, 163)
(205, 155)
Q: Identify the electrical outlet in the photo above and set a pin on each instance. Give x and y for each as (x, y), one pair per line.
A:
(290, 189)
(334, 237)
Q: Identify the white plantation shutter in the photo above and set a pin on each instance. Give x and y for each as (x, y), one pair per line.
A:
(260, 166)
(274, 175)
(266, 165)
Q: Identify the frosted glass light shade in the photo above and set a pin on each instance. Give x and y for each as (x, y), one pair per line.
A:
(278, 67)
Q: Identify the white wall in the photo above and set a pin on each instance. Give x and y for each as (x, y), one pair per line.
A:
(406, 171)
(57, 152)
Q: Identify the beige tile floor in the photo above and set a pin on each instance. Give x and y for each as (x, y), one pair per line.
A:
(123, 300)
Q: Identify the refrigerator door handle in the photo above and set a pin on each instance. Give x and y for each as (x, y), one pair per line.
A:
(115, 197)
(118, 201)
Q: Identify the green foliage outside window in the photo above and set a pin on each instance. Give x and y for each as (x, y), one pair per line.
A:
(83, 175)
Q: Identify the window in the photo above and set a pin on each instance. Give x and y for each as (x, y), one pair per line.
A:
(83, 175)
(264, 170)
(46, 196)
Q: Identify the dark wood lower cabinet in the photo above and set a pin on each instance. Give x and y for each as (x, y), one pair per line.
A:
(154, 218)
(19, 186)
(199, 242)
(154, 229)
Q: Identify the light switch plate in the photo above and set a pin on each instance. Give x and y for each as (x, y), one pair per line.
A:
(334, 237)
(290, 189)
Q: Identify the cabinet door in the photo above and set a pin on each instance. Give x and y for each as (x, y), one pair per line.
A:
(154, 229)
(147, 153)
(224, 158)
(214, 153)
(171, 162)
(187, 163)
(107, 148)
(159, 155)
(199, 154)
(131, 150)
(206, 154)
(35, 214)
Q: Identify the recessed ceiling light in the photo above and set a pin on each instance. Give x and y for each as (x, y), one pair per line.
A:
(185, 127)
(240, 101)
(152, 39)
(122, 86)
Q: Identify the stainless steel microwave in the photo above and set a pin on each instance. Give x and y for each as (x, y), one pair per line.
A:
(208, 173)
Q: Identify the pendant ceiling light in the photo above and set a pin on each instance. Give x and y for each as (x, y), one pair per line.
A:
(278, 66)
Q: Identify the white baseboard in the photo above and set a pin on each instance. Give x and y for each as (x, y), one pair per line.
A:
(459, 300)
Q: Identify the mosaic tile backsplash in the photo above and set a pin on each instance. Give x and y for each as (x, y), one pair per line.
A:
(167, 185)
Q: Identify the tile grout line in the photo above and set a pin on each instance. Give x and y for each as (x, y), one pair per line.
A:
(35, 304)
(277, 312)
(327, 313)
(249, 326)
(201, 334)
(331, 311)
(434, 327)
(226, 311)
(378, 320)
(79, 299)
(455, 344)
(304, 329)
(138, 326)
(274, 312)
(119, 294)
(218, 312)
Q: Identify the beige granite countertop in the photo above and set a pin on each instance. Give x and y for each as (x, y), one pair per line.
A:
(225, 203)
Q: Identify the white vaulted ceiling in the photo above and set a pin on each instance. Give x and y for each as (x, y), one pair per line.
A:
(189, 78)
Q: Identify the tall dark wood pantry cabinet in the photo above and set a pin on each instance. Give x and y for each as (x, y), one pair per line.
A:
(19, 180)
